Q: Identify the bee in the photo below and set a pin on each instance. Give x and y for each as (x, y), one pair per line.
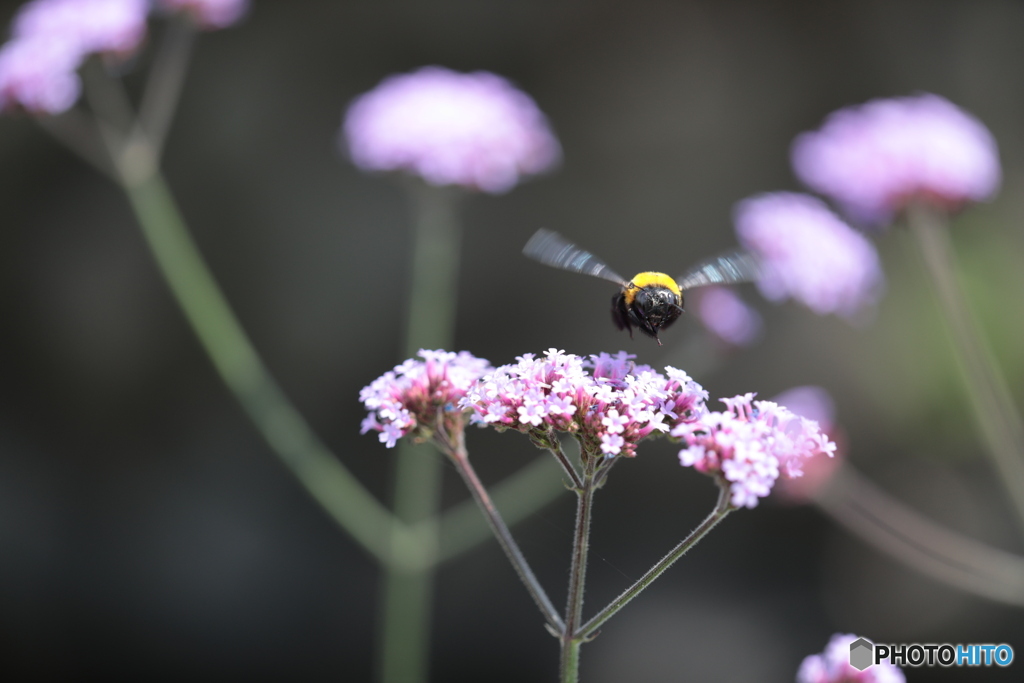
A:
(650, 301)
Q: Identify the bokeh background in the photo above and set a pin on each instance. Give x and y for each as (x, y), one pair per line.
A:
(147, 531)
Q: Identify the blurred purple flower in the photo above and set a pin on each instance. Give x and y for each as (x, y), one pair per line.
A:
(808, 253)
(51, 38)
(609, 408)
(750, 445)
(110, 26)
(209, 14)
(727, 316)
(811, 402)
(411, 398)
(875, 158)
(39, 76)
(833, 666)
(475, 130)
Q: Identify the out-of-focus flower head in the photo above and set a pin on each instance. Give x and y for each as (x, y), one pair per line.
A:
(51, 38)
(416, 394)
(608, 402)
(833, 666)
(474, 130)
(107, 26)
(727, 316)
(813, 403)
(38, 76)
(750, 445)
(874, 158)
(808, 253)
(209, 14)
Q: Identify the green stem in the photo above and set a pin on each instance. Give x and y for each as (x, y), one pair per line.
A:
(918, 542)
(997, 417)
(722, 508)
(517, 496)
(405, 627)
(570, 658)
(166, 78)
(456, 452)
(238, 364)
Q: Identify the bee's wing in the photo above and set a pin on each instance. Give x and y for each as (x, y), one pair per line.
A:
(724, 269)
(552, 249)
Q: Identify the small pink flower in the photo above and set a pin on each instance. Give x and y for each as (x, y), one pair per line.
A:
(874, 158)
(610, 408)
(416, 394)
(808, 253)
(833, 666)
(750, 445)
(474, 130)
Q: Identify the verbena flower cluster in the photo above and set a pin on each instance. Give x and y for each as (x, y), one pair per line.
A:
(608, 402)
(751, 444)
(474, 130)
(833, 666)
(809, 253)
(411, 398)
(51, 38)
(874, 158)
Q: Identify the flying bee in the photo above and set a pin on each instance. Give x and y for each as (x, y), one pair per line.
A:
(650, 301)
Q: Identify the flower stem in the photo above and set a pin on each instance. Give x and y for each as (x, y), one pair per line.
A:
(518, 495)
(238, 364)
(457, 453)
(571, 641)
(994, 410)
(405, 627)
(166, 78)
(722, 508)
(918, 542)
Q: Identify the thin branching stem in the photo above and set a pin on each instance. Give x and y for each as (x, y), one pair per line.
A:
(165, 82)
(722, 508)
(454, 447)
(570, 655)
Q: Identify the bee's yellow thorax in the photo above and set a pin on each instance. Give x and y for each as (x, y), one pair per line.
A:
(649, 279)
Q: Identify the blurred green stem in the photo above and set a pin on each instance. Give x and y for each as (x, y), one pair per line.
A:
(238, 364)
(994, 410)
(918, 542)
(407, 595)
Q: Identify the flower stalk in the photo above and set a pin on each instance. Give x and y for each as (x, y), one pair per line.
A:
(454, 447)
(998, 419)
(722, 508)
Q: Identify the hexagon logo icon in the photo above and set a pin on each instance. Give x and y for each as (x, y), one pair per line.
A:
(861, 653)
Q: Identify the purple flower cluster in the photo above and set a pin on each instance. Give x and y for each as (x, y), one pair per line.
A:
(411, 398)
(833, 666)
(808, 253)
(750, 445)
(475, 130)
(874, 158)
(51, 38)
(209, 14)
(608, 402)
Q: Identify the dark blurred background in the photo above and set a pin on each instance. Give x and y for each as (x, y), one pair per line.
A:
(147, 531)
